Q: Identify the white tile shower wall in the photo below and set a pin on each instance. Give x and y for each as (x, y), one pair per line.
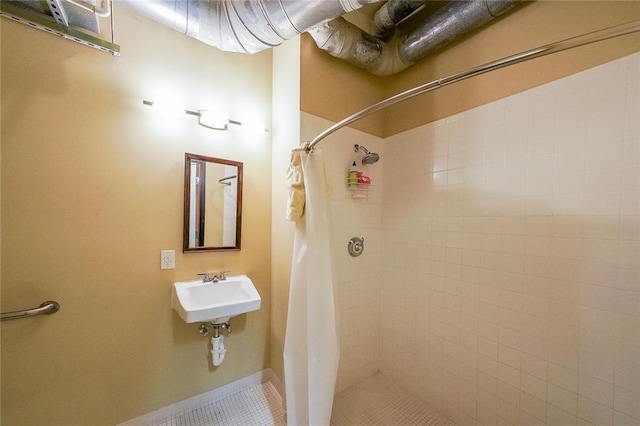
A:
(511, 275)
(357, 278)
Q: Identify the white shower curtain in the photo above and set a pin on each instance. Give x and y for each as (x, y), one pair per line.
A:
(311, 343)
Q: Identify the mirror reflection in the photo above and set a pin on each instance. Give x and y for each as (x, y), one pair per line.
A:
(212, 203)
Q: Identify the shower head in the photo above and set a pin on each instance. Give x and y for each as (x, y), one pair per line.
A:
(369, 157)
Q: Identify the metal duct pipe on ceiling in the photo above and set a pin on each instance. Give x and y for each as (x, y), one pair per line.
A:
(450, 23)
(517, 58)
(391, 13)
(247, 26)
(346, 41)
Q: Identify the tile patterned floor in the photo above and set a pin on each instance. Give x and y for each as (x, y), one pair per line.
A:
(378, 401)
(374, 401)
(259, 405)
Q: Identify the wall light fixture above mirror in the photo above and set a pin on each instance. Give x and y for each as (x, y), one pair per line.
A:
(216, 120)
(212, 204)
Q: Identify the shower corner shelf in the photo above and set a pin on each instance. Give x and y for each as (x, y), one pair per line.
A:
(359, 191)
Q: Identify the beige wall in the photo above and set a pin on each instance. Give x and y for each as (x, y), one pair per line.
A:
(92, 191)
(0, 215)
(536, 24)
(333, 89)
(286, 136)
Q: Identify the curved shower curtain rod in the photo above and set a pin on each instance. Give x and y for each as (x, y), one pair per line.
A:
(537, 52)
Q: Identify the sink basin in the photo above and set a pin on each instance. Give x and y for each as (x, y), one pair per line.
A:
(196, 301)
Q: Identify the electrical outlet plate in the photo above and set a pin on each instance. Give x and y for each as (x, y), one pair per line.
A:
(167, 259)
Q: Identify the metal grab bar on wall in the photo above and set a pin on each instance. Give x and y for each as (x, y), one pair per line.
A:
(46, 308)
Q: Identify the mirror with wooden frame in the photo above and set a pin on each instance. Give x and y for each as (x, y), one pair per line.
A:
(212, 204)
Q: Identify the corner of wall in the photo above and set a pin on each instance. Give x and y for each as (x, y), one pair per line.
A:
(286, 135)
(334, 89)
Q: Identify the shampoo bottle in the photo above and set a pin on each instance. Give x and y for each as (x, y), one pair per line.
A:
(352, 177)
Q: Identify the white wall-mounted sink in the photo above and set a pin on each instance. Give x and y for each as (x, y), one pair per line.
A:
(216, 302)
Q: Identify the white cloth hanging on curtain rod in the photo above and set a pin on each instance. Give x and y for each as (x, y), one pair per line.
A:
(311, 351)
(295, 182)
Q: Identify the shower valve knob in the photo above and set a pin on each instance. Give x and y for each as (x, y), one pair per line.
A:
(355, 246)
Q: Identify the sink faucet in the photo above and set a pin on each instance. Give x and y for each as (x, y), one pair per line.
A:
(207, 279)
(220, 276)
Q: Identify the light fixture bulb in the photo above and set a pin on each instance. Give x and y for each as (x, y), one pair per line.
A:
(165, 107)
(214, 120)
(254, 127)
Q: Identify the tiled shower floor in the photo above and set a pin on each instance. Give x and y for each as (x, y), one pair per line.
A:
(374, 401)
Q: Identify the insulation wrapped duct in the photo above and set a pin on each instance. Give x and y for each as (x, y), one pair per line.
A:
(386, 58)
(249, 26)
(246, 26)
(344, 40)
(391, 13)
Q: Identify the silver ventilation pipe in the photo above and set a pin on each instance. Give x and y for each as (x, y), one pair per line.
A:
(391, 13)
(517, 58)
(346, 41)
(450, 23)
(246, 26)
